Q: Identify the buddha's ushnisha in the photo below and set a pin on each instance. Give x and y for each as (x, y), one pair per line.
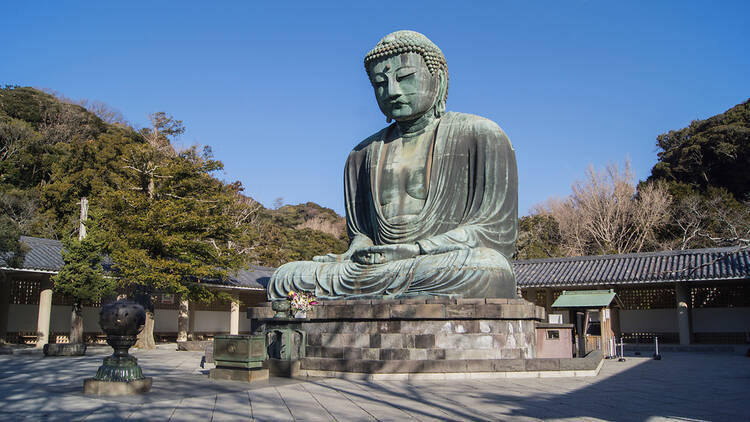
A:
(431, 200)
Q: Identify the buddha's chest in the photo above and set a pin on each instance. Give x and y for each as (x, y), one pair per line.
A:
(405, 165)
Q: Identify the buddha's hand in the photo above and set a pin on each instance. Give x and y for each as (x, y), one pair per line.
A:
(332, 257)
(385, 253)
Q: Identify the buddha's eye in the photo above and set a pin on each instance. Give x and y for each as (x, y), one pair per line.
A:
(378, 80)
(405, 72)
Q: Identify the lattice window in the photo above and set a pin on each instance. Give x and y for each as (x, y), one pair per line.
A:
(646, 338)
(64, 300)
(541, 298)
(25, 292)
(647, 297)
(721, 296)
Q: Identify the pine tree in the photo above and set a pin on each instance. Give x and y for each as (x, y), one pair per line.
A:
(169, 225)
(82, 278)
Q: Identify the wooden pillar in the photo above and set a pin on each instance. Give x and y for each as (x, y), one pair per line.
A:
(45, 312)
(4, 306)
(182, 320)
(683, 312)
(234, 316)
(548, 300)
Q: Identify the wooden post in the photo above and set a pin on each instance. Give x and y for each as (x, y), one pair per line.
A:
(234, 316)
(43, 317)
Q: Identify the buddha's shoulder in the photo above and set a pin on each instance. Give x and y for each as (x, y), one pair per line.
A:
(473, 122)
(370, 139)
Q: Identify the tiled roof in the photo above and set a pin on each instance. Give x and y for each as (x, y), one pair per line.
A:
(45, 255)
(599, 270)
(42, 255)
(729, 263)
(255, 277)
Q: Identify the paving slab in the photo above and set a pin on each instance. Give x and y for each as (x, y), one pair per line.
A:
(682, 386)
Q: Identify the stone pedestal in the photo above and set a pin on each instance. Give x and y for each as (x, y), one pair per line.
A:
(411, 335)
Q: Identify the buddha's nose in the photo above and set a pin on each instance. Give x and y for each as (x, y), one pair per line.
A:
(394, 89)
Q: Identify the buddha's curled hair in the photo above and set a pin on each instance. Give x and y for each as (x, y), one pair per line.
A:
(405, 41)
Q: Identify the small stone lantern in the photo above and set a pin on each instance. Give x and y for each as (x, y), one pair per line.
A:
(120, 374)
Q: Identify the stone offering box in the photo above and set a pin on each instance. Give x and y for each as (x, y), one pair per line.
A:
(239, 351)
(430, 336)
(239, 358)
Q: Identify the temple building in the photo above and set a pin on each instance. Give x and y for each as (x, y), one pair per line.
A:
(698, 296)
(687, 297)
(30, 312)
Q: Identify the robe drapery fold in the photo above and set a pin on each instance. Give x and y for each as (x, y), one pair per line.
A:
(466, 230)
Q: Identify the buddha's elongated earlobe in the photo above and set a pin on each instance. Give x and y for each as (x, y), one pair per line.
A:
(439, 108)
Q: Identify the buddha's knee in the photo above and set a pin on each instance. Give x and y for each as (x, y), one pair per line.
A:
(490, 259)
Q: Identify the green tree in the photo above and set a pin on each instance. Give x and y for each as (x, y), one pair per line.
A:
(706, 168)
(538, 237)
(82, 279)
(712, 152)
(169, 225)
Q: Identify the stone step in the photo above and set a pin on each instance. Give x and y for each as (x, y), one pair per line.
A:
(590, 362)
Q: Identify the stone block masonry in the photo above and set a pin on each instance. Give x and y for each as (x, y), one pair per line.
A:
(421, 330)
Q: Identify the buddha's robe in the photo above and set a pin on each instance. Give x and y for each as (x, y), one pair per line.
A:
(466, 231)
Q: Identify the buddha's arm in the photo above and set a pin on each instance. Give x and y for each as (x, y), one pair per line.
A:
(463, 237)
(359, 242)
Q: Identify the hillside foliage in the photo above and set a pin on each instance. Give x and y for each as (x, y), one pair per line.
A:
(698, 196)
(54, 151)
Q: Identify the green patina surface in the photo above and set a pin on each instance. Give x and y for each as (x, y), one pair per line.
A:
(239, 351)
(119, 369)
(431, 200)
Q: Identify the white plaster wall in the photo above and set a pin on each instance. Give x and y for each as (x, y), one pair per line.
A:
(721, 320)
(648, 320)
(212, 321)
(24, 318)
(165, 320)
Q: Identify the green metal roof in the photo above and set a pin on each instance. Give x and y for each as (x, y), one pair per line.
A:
(585, 299)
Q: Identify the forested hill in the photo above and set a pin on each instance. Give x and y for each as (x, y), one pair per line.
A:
(698, 195)
(54, 151)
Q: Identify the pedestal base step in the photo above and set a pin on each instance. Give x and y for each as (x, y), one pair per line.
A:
(239, 374)
(95, 387)
(533, 367)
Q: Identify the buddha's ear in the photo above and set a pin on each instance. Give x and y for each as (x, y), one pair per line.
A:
(442, 94)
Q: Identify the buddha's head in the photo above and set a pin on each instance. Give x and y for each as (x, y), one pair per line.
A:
(409, 75)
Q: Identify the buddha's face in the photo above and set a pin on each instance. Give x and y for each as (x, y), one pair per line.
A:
(404, 87)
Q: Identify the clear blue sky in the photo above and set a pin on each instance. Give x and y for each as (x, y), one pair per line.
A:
(278, 88)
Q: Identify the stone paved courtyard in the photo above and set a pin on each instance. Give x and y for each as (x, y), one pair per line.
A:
(682, 386)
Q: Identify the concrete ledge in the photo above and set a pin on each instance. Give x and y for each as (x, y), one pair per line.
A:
(116, 388)
(239, 374)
